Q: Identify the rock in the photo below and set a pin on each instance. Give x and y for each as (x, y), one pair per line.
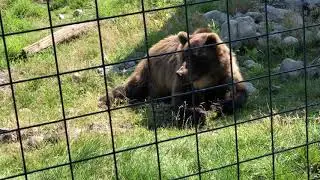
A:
(3, 77)
(246, 27)
(217, 16)
(241, 27)
(233, 30)
(61, 16)
(309, 37)
(6, 137)
(100, 70)
(251, 64)
(75, 133)
(238, 14)
(287, 17)
(275, 88)
(290, 41)
(78, 12)
(289, 65)
(261, 27)
(258, 17)
(275, 38)
(276, 69)
(98, 127)
(35, 141)
(277, 27)
(53, 138)
(314, 72)
(250, 88)
(25, 111)
(297, 4)
(129, 64)
(293, 20)
(131, 69)
(318, 36)
(76, 77)
(262, 42)
(276, 14)
(273, 27)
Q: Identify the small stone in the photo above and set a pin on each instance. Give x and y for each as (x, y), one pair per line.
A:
(75, 133)
(100, 71)
(275, 38)
(76, 77)
(290, 41)
(52, 138)
(7, 137)
(78, 12)
(25, 111)
(97, 127)
(251, 64)
(131, 69)
(275, 88)
(276, 69)
(35, 141)
(3, 77)
(129, 64)
(61, 16)
(108, 69)
(250, 88)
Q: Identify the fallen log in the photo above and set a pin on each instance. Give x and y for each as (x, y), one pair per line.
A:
(61, 35)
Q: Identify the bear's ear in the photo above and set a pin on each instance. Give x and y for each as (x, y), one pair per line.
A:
(183, 37)
(212, 39)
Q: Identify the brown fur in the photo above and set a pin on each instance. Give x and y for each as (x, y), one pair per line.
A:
(178, 72)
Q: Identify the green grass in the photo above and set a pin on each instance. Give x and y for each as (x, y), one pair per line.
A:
(39, 101)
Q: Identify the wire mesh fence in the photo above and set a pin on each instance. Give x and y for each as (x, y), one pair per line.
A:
(59, 73)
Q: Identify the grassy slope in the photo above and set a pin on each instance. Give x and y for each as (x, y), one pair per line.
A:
(39, 101)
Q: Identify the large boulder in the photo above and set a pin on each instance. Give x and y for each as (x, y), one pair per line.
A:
(286, 17)
(276, 14)
(290, 65)
(246, 27)
(217, 16)
(233, 30)
(257, 16)
(240, 27)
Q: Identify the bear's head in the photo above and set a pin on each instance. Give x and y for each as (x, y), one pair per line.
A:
(204, 57)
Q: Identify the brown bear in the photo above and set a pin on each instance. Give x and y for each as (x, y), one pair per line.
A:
(202, 61)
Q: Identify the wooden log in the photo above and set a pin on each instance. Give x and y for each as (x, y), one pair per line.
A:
(61, 35)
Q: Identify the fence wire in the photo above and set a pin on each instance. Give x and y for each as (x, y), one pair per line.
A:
(157, 142)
